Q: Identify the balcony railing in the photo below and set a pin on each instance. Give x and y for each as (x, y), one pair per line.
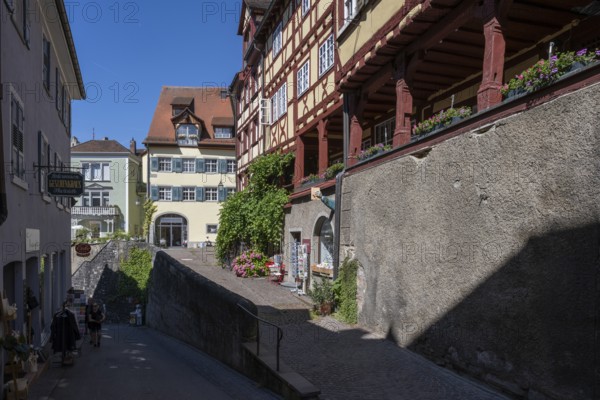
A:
(107, 210)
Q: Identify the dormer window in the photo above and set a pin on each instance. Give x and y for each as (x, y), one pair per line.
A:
(187, 135)
(178, 110)
(223, 132)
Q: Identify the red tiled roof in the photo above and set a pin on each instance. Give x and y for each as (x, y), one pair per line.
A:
(208, 104)
(100, 146)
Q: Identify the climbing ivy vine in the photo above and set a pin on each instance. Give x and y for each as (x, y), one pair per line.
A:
(255, 215)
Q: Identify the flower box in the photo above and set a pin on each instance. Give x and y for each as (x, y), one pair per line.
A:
(441, 120)
(545, 72)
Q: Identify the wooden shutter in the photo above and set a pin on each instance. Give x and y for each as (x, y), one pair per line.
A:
(221, 194)
(222, 166)
(200, 165)
(177, 165)
(154, 164)
(199, 194)
(177, 193)
(154, 193)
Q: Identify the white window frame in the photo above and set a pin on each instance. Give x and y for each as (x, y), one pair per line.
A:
(188, 165)
(208, 165)
(165, 193)
(326, 55)
(188, 193)
(17, 150)
(211, 194)
(305, 7)
(223, 132)
(165, 164)
(277, 39)
(349, 10)
(279, 102)
(384, 132)
(303, 78)
(103, 171)
(231, 166)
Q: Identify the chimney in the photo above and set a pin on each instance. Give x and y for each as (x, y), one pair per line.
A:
(132, 146)
(105, 137)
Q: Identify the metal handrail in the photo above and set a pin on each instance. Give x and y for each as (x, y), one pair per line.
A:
(258, 320)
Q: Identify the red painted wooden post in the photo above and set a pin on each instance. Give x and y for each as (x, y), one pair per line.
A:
(299, 163)
(323, 146)
(356, 131)
(404, 104)
(493, 65)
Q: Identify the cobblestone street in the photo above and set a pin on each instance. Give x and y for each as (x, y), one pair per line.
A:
(344, 361)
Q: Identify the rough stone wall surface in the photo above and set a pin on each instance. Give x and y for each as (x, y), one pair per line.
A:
(194, 309)
(482, 253)
(98, 276)
(77, 261)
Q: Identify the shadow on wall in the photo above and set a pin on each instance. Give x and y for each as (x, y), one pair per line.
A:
(107, 292)
(533, 325)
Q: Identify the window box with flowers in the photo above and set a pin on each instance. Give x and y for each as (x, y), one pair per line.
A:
(373, 151)
(546, 72)
(441, 120)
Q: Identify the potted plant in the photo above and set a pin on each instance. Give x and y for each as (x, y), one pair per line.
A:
(373, 150)
(442, 119)
(323, 295)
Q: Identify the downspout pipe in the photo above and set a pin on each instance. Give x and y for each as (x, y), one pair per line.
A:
(3, 199)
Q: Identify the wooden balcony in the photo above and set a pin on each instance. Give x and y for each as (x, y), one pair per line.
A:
(96, 211)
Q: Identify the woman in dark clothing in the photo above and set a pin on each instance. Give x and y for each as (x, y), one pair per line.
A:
(95, 319)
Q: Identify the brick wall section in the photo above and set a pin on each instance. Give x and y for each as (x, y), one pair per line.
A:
(193, 309)
(482, 253)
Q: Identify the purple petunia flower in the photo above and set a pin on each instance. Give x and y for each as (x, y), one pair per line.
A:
(554, 70)
(582, 52)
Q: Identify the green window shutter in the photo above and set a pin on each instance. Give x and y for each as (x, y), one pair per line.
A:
(154, 193)
(200, 165)
(177, 193)
(222, 166)
(221, 194)
(199, 194)
(154, 164)
(177, 165)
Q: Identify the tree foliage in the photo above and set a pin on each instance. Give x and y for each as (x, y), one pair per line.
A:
(135, 274)
(255, 214)
(149, 210)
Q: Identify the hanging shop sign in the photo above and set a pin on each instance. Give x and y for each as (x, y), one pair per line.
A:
(68, 184)
(83, 249)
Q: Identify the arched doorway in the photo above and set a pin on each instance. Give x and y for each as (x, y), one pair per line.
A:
(170, 230)
(323, 242)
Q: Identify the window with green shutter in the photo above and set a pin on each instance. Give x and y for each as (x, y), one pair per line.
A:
(154, 164)
(199, 165)
(177, 165)
(199, 194)
(154, 193)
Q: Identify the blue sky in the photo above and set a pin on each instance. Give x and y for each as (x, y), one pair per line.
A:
(128, 50)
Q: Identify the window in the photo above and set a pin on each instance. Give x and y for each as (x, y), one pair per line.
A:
(326, 55)
(26, 25)
(164, 193)
(58, 92)
(211, 228)
(187, 134)
(211, 194)
(305, 6)
(189, 165)
(96, 171)
(303, 78)
(46, 68)
(277, 39)
(178, 110)
(43, 161)
(189, 194)
(210, 165)
(384, 132)
(17, 131)
(279, 102)
(96, 199)
(223, 132)
(164, 164)
(231, 166)
(349, 9)
(230, 192)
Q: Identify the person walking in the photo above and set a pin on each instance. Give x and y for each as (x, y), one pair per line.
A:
(95, 319)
